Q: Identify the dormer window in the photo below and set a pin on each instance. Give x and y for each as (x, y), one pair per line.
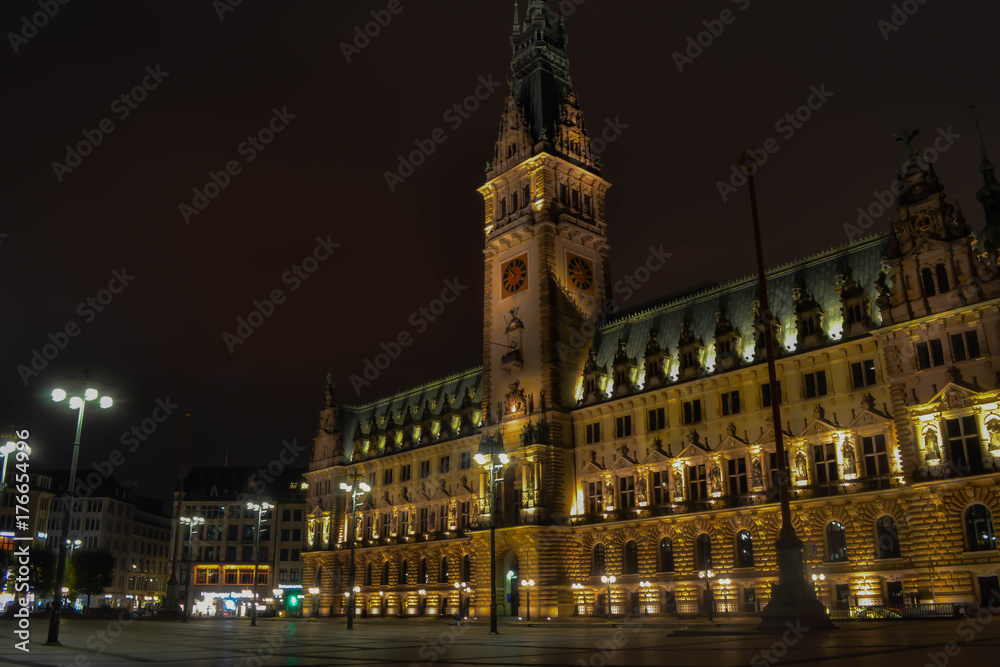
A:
(527, 195)
(513, 203)
(503, 207)
(942, 278)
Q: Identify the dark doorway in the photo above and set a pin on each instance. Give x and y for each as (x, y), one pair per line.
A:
(989, 592)
(894, 591)
(633, 604)
(600, 608)
(750, 599)
(843, 596)
(669, 603)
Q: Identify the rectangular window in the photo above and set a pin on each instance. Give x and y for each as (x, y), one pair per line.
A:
(815, 384)
(586, 204)
(863, 373)
(293, 576)
(876, 456)
(623, 426)
(825, 457)
(387, 477)
(465, 460)
(425, 468)
(295, 554)
(626, 492)
(661, 487)
(963, 445)
(593, 433)
(283, 555)
(930, 354)
(404, 473)
(737, 476)
(563, 195)
(464, 514)
(445, 464)
(731, 403)
(697, 482)
(765, 393)
(595, 497)
(404, 523)
(576, 199)
(230, 575)
(422, 520)
(386, 521)
(657, 419)
(282, 575)
(692, 411)
(965, 345)
(286, 515)
(285, 534)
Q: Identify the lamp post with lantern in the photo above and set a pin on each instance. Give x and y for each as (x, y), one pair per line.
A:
(491, 456)
(78, 403)
(356, 488)
(260, 508)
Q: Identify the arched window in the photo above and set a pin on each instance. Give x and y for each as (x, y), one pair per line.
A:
(404, 572)
(942, 278)
(666, 555)
(422, 577)
(744, 549)
(597, 561)
(368, 575)
(443, 577)
(703, 552)
(467, 568)
(887, 544)
(836, 542)
(979, 529)
(385, 573)
(631, 558)
(927, 277)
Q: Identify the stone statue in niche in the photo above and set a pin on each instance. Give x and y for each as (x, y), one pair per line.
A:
(642, 491)
(609, 491)
(756, 474)
(678, 486)
(715, 479)
(850, 464)
(801, 467)
(993, 428)
(931, 448)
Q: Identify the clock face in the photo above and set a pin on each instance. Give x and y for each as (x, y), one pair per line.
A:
(581, 273)
(514, 276)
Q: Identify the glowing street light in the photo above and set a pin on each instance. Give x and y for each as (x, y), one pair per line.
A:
(356, 488)
(75, 403)
(192, 522)
(314, 592)
(528, 585)
(708, 575)
(609, 580)
(491, 456)
(260, 508)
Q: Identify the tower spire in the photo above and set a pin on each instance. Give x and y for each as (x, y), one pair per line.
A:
(986, 168)
(988, 195)
(517, 20)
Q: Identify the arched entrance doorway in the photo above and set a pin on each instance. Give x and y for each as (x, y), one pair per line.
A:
(510, 574)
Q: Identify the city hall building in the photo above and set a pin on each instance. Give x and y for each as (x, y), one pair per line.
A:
(641, 444)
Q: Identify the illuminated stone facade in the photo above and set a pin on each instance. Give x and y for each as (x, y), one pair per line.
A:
(641, 443)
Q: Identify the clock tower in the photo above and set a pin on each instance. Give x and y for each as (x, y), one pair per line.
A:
(546, 250)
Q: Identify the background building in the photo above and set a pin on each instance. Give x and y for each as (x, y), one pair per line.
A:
(221, 554)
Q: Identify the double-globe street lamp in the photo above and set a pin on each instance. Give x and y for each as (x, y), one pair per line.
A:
(528, 584)
(192, 522)
(356, 488)
(75, 403)
(609, 580)
(260, 508)
(708, 575)
(314, 592)
(492, 456)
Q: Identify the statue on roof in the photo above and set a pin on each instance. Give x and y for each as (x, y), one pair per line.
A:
(906, 138)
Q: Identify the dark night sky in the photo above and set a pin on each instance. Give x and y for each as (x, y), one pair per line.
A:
(324, 175)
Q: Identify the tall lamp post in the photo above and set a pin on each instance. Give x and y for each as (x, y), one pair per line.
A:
(492, 456)
(356, 488)
(792, 598)
(708, 575)
(192, 522)
(75, 403)
(260, 508)
(314, 592)
(528, 583)
(609, 580)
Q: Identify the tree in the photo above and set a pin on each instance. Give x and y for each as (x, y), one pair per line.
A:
(41, 572)
(92, 571)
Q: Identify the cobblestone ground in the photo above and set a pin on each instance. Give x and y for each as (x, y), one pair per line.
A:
(425, 642)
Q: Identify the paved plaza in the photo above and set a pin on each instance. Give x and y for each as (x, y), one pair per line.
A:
(425, 642)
